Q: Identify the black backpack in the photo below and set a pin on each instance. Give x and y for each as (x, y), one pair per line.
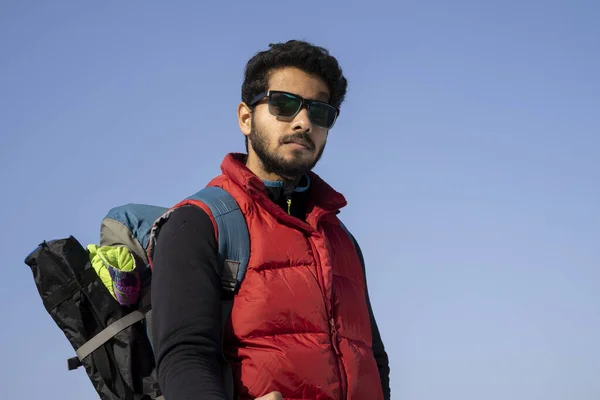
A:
(113, 340)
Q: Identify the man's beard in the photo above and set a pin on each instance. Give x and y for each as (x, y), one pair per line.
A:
(275, 163)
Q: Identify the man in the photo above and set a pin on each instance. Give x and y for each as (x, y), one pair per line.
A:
(301, 325)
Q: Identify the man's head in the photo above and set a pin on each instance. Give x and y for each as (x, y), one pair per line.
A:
(285, 137)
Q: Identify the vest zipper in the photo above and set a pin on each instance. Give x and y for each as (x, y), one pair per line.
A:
(333, 334)
(289, 205)
(334, 337)
(336, 347)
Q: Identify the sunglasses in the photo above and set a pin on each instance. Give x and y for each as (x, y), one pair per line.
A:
(287, 105)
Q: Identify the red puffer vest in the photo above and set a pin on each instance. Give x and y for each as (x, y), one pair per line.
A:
(300, 323)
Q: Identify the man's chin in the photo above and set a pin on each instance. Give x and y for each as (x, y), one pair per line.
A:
(293, 167)
(297, 160)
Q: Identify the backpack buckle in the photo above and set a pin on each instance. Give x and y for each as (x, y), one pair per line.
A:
(229, 274)
(73, 363)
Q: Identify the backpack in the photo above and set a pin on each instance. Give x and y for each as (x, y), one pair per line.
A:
(111, 332)
(108, 323)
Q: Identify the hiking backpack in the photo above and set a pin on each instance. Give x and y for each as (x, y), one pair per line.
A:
(106, 312)
(111, 332)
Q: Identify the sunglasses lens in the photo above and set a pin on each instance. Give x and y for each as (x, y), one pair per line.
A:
(284, 104)
(322, 114)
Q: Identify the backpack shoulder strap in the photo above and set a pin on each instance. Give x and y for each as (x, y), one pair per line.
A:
(234, 253)
(233, 236)
(232, 233)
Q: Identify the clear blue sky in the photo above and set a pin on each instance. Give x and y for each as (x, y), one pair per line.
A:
(468, 149)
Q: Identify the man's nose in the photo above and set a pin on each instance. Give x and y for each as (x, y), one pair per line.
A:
(301, 122)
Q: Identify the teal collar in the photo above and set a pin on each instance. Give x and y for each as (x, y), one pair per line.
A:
(302, 186)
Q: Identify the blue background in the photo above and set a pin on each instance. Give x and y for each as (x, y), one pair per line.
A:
(468, 149)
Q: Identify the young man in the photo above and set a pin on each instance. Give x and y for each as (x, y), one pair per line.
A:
(301, 325)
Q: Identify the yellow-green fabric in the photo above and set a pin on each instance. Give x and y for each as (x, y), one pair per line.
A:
(115, 265)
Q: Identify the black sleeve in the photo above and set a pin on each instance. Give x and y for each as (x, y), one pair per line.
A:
(378, 348)
(186, 288)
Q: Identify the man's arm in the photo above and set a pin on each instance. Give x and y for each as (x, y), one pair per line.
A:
(186, 308)
(378, 348)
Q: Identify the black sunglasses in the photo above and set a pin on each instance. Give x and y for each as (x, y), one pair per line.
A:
(288, 105)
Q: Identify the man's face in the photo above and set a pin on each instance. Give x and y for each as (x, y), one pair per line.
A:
(289, 147)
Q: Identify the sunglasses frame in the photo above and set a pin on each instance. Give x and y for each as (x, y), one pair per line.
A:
(304, 103)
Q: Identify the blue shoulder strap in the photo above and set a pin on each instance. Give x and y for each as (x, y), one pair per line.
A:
(234, 253)
(234, 239)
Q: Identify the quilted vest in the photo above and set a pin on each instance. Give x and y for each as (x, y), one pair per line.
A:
(299, 323)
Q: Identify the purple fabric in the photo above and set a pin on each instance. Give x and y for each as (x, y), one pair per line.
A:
(126, 285)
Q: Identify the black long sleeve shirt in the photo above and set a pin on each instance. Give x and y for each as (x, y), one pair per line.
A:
(186, 289)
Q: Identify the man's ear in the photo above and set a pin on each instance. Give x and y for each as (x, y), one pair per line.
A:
(244, 114)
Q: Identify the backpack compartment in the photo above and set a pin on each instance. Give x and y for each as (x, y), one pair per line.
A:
(121, 365)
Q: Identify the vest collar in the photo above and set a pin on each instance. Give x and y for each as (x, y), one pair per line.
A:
(280, 189)
(322, 195)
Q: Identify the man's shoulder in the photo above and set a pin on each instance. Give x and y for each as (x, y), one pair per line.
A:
(187, 218)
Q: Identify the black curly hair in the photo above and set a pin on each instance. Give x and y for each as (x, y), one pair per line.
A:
(294, 53)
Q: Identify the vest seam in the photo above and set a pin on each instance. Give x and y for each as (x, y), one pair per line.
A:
(285, 334)
(281, 267)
